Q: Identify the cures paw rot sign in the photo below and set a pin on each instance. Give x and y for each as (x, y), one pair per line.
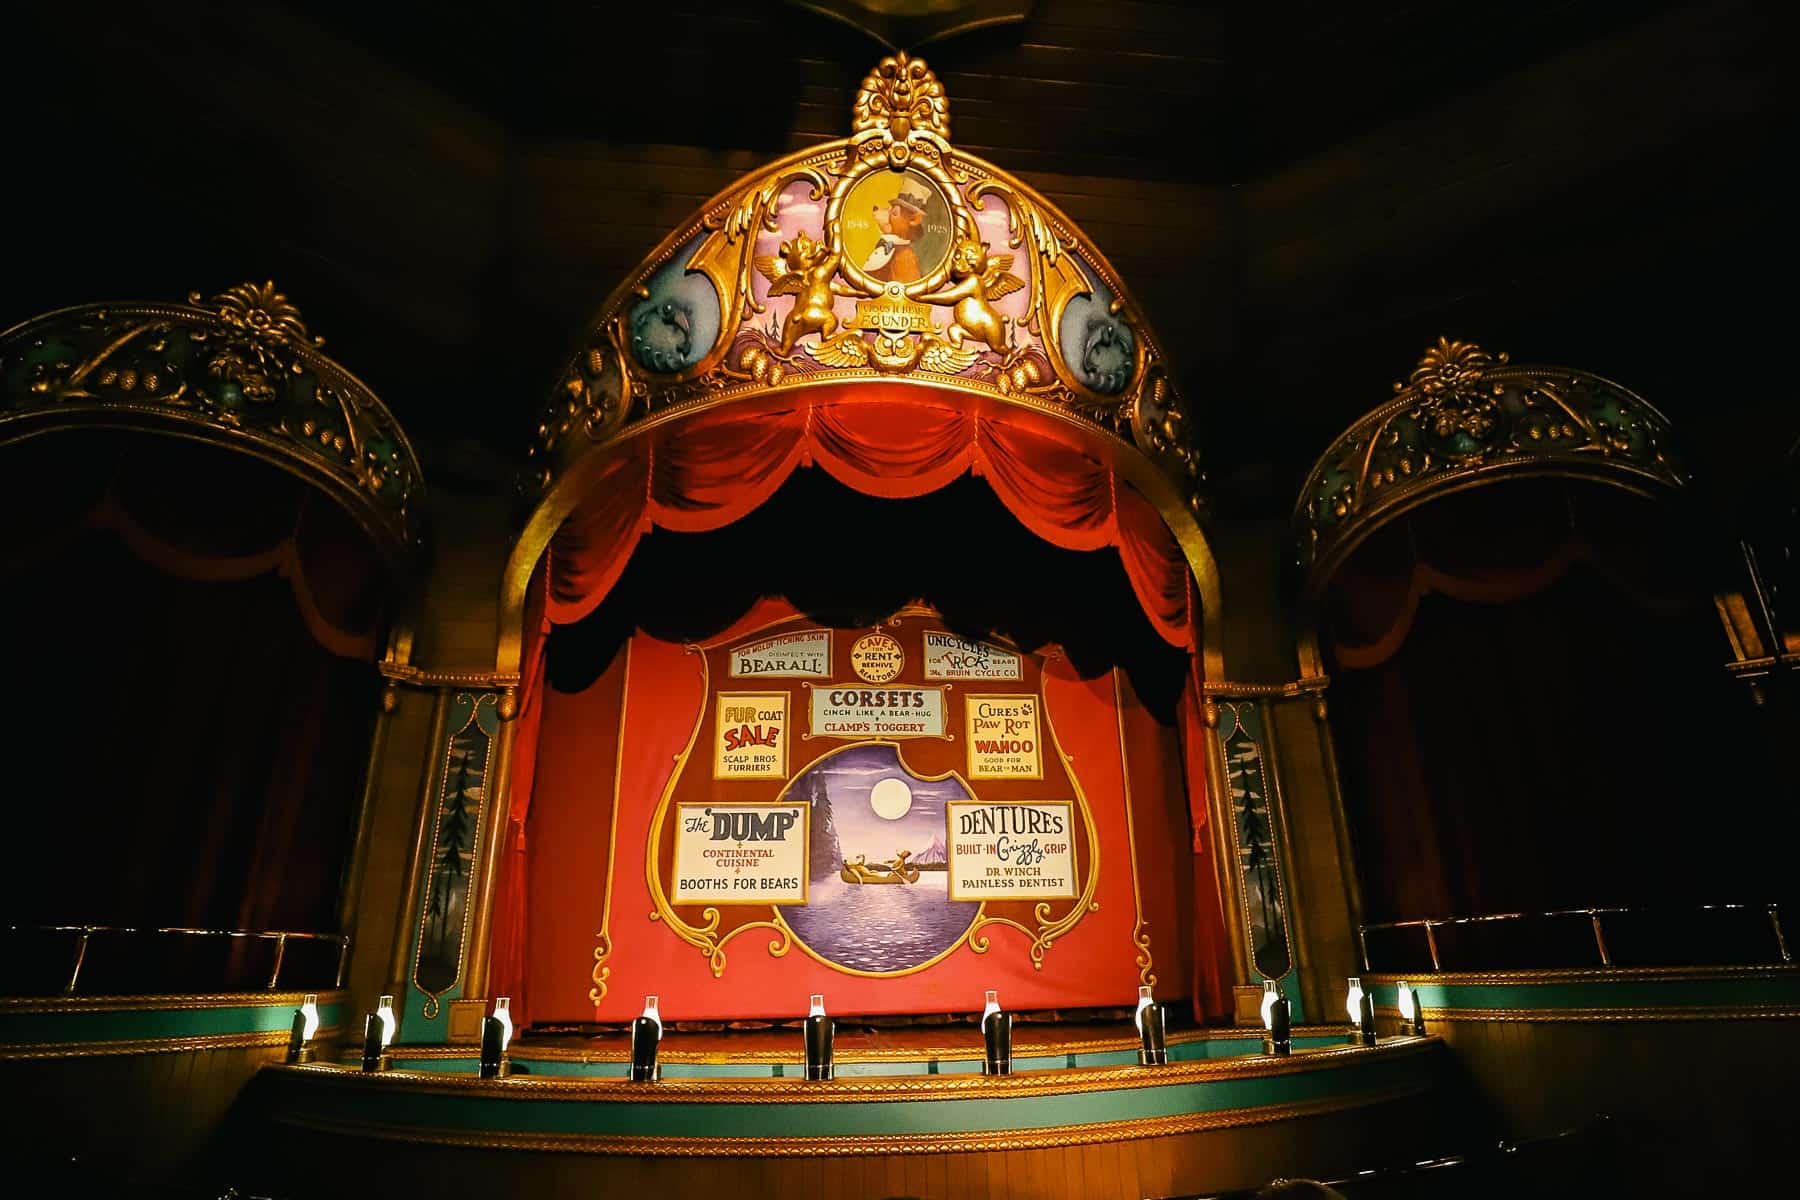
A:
(750, 736)
(1003, 738)
(740, 853)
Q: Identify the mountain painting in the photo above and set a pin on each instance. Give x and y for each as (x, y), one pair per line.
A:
(879, 899)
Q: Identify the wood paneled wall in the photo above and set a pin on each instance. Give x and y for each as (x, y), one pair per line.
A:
(1704, 1107)
(1149, 1167)
(124, 1116)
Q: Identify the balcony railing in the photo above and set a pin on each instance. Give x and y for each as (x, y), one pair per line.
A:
(111, 960)
(1697, 935)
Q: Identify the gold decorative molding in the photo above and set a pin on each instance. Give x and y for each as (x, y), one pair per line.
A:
(239, 371)
(865, 1089)
(864, 1144)
(169, 1045)
(1466, 418)
(1582, 975)
(71, 1004)
(423, 677)
(1226, 689)
(1603, 1016)
(884, 256)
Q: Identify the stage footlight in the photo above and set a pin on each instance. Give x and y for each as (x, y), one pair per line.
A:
(378, 1034)
(1410, 1012)
(305, 1028)
(1277, 1018)
(819, 1031)
(1361, 1006)
(996, 1037)
(1153, 1049)
(646, 1036)
(496, 1036)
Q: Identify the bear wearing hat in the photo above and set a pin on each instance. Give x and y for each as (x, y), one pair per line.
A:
(893, 260)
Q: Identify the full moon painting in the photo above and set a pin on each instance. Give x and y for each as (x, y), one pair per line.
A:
(879, 891)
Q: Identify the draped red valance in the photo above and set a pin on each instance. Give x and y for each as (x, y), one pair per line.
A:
(201, 515)
(1497, 546)
(894, 441)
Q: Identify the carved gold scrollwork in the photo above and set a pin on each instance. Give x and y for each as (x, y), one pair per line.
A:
(1466, 415)
(240, 369)
(807, 294)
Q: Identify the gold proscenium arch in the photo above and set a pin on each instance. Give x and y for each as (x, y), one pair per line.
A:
(1467, 418)
(969, 283)
(239, 371)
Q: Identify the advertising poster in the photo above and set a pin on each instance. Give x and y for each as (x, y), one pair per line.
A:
(950, 657)
(1002, 735)
(892, 712)
(750, 736)
(1012, 851)
(803, 654)
(740, 854)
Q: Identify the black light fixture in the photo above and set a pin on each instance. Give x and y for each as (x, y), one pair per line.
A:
(819, 1031)
(996, 1037)
(305, 1027)
(378, 1034)
(1410, 1010)
(1277, 1018)
(1153, 1049)
(1361, 1006)
(496, 1036)
(646, 1036)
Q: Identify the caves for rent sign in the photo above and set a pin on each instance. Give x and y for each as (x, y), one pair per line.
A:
(888, 712)
(740, 854)
(1012, 851)
(750, 736)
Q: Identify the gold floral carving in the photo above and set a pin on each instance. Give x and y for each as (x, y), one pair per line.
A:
(946, 327)
(1465, 414)
(239, 370)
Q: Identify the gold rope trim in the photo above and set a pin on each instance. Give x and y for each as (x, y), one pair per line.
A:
(170, 1045)
(62, 1004)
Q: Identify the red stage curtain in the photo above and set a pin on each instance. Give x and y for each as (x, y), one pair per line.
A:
(1528, 701)
(194, 625)
(202, 515)
(709, 471)
(889, 440)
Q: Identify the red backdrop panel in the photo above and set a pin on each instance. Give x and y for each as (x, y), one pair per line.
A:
(592, 804)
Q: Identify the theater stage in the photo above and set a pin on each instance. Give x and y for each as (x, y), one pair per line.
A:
(909, 1113)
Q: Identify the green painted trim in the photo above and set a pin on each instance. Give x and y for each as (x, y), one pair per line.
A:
(463, 1061)
(224, 1018)
(347, 1099)
(1607, 994)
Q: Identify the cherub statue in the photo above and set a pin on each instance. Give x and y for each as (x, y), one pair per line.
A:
(803, 269)
(977, 278)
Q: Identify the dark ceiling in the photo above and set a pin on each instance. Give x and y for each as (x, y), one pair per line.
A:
(1302, 196)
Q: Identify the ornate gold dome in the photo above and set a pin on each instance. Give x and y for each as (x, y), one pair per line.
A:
(239, 371)
(1467, 417)
(885, 255)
